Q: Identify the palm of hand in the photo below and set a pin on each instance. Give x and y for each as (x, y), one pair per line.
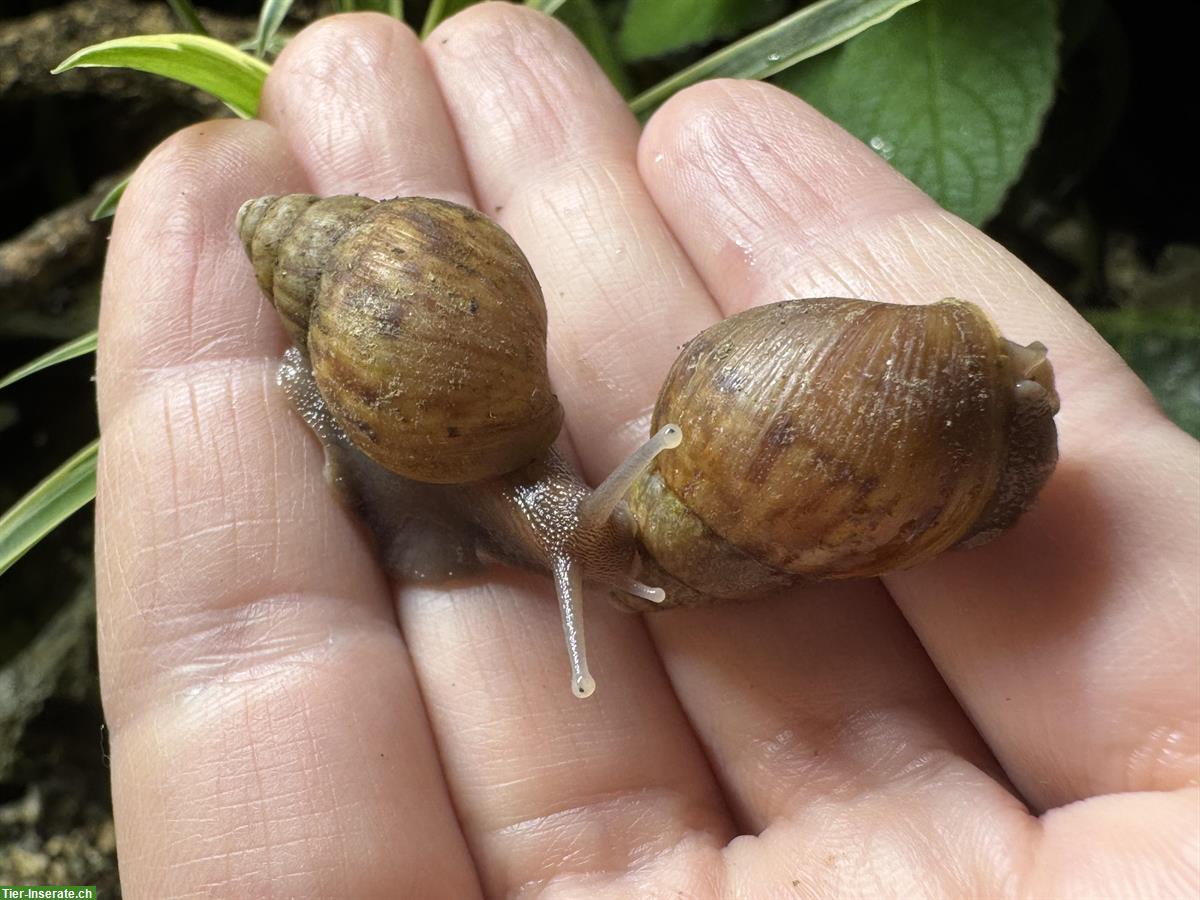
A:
(285, 723)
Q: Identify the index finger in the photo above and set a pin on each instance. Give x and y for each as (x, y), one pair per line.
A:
(265, 723)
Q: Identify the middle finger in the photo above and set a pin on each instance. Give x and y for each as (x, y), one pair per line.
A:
(620, 777)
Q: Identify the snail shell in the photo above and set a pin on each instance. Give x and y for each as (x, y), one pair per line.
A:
(840, 438)
(424, 325)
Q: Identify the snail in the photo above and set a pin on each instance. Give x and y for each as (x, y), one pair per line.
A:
(803, 440)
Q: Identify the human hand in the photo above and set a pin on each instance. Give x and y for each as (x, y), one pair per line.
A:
(285, 723)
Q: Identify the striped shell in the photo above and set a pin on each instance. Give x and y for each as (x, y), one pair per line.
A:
(837, 438)
(424, 325)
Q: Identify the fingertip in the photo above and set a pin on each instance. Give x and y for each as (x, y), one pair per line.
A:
(706, 105)
(354, 97)
(322, 53)
(189, 157)
(732, 127)
(189, 187)
(519, 83)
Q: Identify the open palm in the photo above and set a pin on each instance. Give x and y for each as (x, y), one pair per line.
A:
(1019, 720)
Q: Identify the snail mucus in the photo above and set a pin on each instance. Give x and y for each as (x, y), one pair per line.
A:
(808, 439)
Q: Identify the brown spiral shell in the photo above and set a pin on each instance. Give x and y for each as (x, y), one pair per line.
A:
(837, 438)
(424, 325)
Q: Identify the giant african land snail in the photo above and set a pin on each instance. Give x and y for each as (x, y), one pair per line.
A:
(821, 438)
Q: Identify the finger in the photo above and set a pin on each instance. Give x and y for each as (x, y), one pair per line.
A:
(354, 98)
(618, 778)
(1063, 640)
(816, 693)
(552, 152)
(265, 724)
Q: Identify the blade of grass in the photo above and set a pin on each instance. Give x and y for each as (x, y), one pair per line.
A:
(83, 344)
(439, 10)
(108, 205)
(769, 50)
(549, 7)
(187, 16)
(203, 62)
(393, 8)
(584, 18)
(270, 17)
(61, 493)
(278, 42)
(433, 15)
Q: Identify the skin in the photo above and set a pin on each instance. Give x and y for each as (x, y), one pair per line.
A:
(1014, 721)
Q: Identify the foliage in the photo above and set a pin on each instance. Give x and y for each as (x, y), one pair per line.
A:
(187, 16)
(388, 7)
(953, 94)
(270, 17)
(227, 73)
(1163, 348)
(585, 19)
(64, 491)
(773, 49)
(656, 27)
(84, 344)
(108, 205)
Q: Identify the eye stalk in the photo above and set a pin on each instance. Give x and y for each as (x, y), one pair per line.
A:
(600, 547)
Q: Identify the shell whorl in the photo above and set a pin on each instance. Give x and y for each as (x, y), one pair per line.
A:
(289, 239)
(836, 438)
(424, 324)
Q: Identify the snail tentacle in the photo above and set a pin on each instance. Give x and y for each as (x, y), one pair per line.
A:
(631, 585)
(602, 502)
(568, 582)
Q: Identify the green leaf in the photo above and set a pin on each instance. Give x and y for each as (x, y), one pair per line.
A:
(393, 8)
(1163, 348)
(440, 10)
(71, 349)
(64, 491)
(952, 92)
(274, 46)
(211, 65)
(549, 7)
(186, 14)
(270, 17)
(584, 18)
(806, 33)
(108, 206)
(655, 27)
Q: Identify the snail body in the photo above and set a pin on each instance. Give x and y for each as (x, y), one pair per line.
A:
(828, 438)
